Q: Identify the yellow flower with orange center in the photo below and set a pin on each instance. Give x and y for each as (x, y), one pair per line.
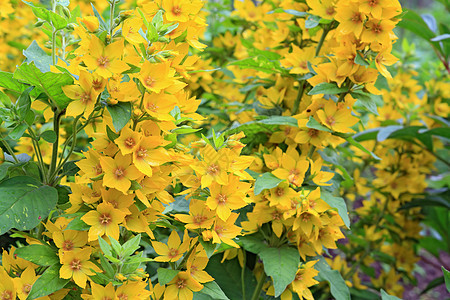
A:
(104, 220)
(174, 249)
(84, 94)
(182, 287)
(99, 292)
(156, 76)
(119, 172)
(76, 265)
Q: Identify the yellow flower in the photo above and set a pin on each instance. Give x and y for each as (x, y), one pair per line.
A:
(182, 287)
(91, 23)
(178, 10)
(7, 289)
(160, 105)
(104, 220)
(322, 8)
(99, 292)
(225, 231)
(105, 60)
(76, 265)
(281, 195)
(385, 58)
(119, 172)
(174, 249)
(130, 31)
(200, 216)
(339, 120)
(84, 94)
(24, 283)
(156, 76)
(292, 168)
(378, 31)
(213, 167)
(304, 279)
(145, 156)
(68, 240)
(195, 266)
(128, 140)
(350, 18)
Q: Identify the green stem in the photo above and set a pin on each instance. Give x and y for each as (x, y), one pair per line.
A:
(38, 152)
(54, 31)
(243, 274)
(259, 286)
(301, 90)
(10, 150)
(111, 18)
(186, 257)
(56, 119)
(322, 38)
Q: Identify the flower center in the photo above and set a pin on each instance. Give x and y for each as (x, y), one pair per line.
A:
(142, 152)
(330, 120)
(104, 219)
(103, 61)
(276, 216)
(222, 199)
(85, 97)
(119, 173)
(98, 169)
(330, 11)
(152, 107)
(172, 253)
(213, 170)
(6, 295)
(96, 84)
(122, 297)
(356, 17)
(26, 288)
(149, 81)
(298, 277)
(181, 284)
(373, 3)
(279, 192)
(377, 28)
(75, 265)
(306, 217)
(67, 245)
(313, 132)
(176, 10)
(199, 219)
(129, 142)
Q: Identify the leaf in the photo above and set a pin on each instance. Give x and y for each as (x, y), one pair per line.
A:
(441, 37)
(42, 13)
(386, 296)
(49, 136)
(430, 21)
(41, 59)
(78, 224)
(327, 88)
(360, 60)
(446, 278)
(385, 132)
(102, 24)
(266, 181)
(351, 141)
(166, 275)
(49, 83)
(289, 11)
(23, 103)
(49, 282)
(18, 131)
(213, 289)
(4, 169)
(25, 202)
(131, 245)
(8, 82)
(338, 287)
(312, 123)
(281, 264)
(106, 248)
(184, 129)
(367, 100)
(120, 114)
(253, 243)
(228, 277)
(280, 120)
(208, 246)
(41, 255)
(339, 203)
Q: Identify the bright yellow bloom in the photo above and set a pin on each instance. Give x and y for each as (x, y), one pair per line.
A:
(304, 279)
(84, 94)
(322, 8)
(225, 231)
(24, 283)
(195, 266)
(281, 195)
(156, 76)
(7, 289)
(292, 168)
(339, 120)
(128, 140)
(68, 240)
(119, 172)
(385, 58)
(378, 31)
(200, 216)
(350, 18)
(178, 10)
(174, 249)
(130, 31)
(76, 265)
(104, 220)
(213, 167)
(105, 60)
(182, 287)
(99, 292)
(145, 156)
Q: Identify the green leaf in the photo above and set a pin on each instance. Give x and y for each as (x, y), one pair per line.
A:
(351, 141)
(360, 60)
(25, 202)
(280, 120)
(49, 83)
(446, 278)
(327, 88)
(18, 131)
(41, 255)
(288, 11)
(106, 248)
(253, 243)
(386, 296)
(338, 287)
(120, 114)
(78, 224)
(281, 264)
(367, 100)
(266, 181)
(208, 246)
(23, 103)
(4, 169)
(131, 245)
(312, 123)
(185, 129)
(166, 275)
(53, 18)
(213, 289)
(228, 277)
(102, 24)
(49, 136)
(41, 59)
(49, 282)
(385, 132)
(8, 82)
(339, 203)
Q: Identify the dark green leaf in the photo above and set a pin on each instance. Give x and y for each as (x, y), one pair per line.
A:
(49, 282)
(386, 296)
(339, 203)
(339, 288)
(41, 59)
(23, 103)
(281, 264)
(280, 120)
(253, 243)
(312, 123)
(41, 255)
(208, 246)
(385, 132)
(446, 278)
(120, 114)
(131, 245)
(49, 136)
(266, 181)
(327, 88)
(360, 60)
(78, 224)
(166, 275)
(25, 202)
(367, 100)
(213, 290)
(18, 131)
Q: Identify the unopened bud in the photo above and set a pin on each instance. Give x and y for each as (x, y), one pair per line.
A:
(39, 23)
(163, 39)
(91, 23)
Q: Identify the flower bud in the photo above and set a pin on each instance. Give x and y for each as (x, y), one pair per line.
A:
(90, 22)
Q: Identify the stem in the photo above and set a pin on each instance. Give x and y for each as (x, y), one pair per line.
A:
(10, 150)
(243, 274)
(54, 31)
(259, 286)
(185, 258)
(322, 38)
(56, 119)
(301, 90)
(38, 152)
(111, 18)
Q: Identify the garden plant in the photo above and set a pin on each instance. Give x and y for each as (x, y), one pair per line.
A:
(189, 149)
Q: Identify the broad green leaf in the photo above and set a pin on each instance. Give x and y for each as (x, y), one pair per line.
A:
(228, 277)
(130, 246)
(253, 243)
(208, 246)
(213, 290)
(49, 136)
(4, 169)
(446, 278)
(18, 131)
(106, 248)
(56, 20)
(312, 123)
(327, 88)
(25, 202)
(49, 282)
(280, 120)
(166, 275)
(49, 83)
(386, 296)
(78, 224)
(360, 60)
(23, 103)
(281, 264)
(41, 59)
(120, 114)
(351, 141)
(385, 132)
(41, 255)
(8, 82)
(367, 100)
(338, 287)
(266, 181)
(339, 203)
